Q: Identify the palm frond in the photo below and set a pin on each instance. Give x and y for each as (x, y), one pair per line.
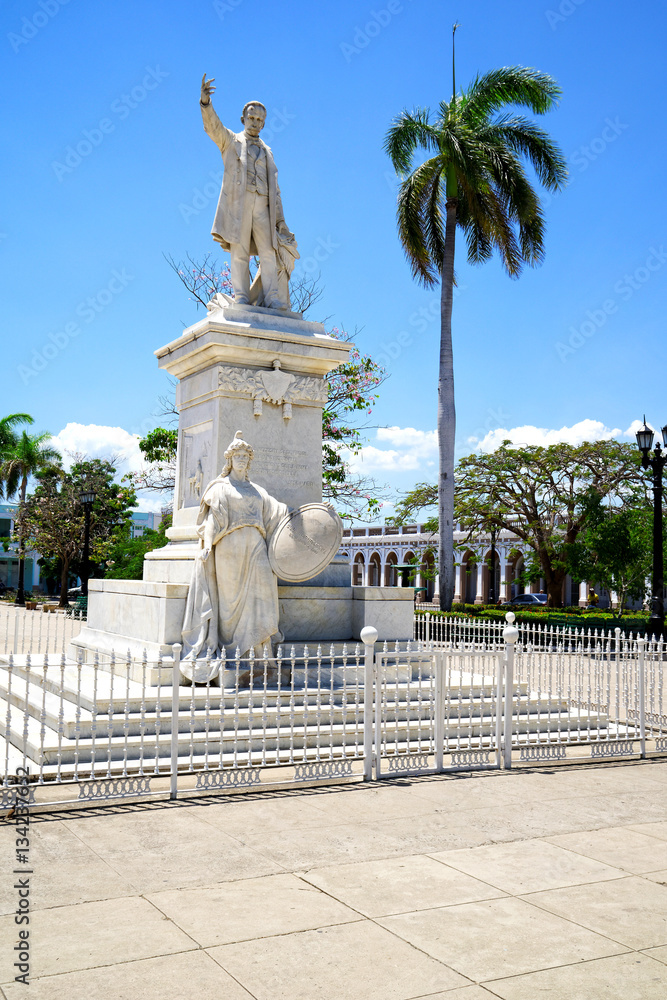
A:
(527, 139)
(414, 200)
(407, 133)
(518, 85)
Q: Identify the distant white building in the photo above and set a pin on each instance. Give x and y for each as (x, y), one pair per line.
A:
(9, 557)
(382, 557)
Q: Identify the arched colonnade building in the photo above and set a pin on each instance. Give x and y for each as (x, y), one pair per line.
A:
(380, 557)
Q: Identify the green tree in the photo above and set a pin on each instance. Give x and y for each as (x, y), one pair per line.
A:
(615, 548)
(54, 516)
(7, 429)
(159, 449)
(9, 438)
(28, 455)
(473, 178)
(542, 495)
(126, 558)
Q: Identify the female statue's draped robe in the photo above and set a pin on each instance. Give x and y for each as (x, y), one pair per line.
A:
(233, 596)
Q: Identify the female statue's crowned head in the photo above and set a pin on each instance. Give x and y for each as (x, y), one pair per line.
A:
(236, 449)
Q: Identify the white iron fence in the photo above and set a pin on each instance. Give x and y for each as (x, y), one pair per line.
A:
(484, 632)
(114, 728)
(38, 631)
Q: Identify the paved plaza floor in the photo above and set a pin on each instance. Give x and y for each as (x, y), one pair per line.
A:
(548, 884)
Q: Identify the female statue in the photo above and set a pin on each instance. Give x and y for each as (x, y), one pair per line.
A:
(233, 596)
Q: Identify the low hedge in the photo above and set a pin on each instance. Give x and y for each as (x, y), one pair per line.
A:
(631, 623)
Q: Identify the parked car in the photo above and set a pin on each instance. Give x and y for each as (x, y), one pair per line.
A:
(74, 592)
(522, 600)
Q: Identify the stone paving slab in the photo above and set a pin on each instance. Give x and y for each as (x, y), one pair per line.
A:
(507, 936)
(528, 866)
(170, 977)
(531, 883)
(394, 885)
(347, 961)
(625, 977)
(69, 871)
(250, 909)
(168, 848)
(632, 910)
(620, 847)
(88, 935)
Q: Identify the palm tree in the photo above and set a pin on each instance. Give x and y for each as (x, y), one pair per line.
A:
(28, 455)
(8, 436)
(474, 178)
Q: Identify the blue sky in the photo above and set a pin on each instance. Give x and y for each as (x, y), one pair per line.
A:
(572, 349)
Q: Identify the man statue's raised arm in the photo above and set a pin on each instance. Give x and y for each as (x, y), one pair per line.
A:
(212, 124)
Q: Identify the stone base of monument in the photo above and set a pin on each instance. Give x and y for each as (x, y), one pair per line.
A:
(145, 617)
(263, 372)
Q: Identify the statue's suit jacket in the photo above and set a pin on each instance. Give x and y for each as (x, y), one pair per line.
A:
(227, 223)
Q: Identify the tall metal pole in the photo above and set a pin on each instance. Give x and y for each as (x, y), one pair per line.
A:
(86, 551)
(656, 460)
(657, 620)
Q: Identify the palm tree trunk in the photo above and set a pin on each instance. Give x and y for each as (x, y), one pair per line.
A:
(20, 586)
(447, 416)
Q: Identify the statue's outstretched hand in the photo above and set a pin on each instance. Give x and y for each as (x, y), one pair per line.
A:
(207, 89)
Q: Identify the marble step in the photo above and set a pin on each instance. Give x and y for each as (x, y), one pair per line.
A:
(97, 690)
(129, 708)
(26, 731)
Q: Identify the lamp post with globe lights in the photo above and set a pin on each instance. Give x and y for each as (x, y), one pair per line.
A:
(655, 459)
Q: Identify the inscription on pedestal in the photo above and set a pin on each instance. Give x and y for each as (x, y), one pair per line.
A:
(291, 468)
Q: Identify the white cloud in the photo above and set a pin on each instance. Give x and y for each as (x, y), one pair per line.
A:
(110, 443)
(634, 427)
(97, 441)
(408, 437)
(584, 430)
(408, 450)
(412, 450)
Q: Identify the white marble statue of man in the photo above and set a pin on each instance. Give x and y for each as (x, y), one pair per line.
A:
(233, 597)
(249, 218)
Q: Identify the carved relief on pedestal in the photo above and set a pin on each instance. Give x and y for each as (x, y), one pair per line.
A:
(194, 450)
(277, 387)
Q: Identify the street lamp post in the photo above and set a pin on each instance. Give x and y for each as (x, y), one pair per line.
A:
(656, 460)
(87, 498)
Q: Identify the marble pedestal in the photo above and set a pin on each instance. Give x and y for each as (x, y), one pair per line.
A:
(262, 372)
(145, 618)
